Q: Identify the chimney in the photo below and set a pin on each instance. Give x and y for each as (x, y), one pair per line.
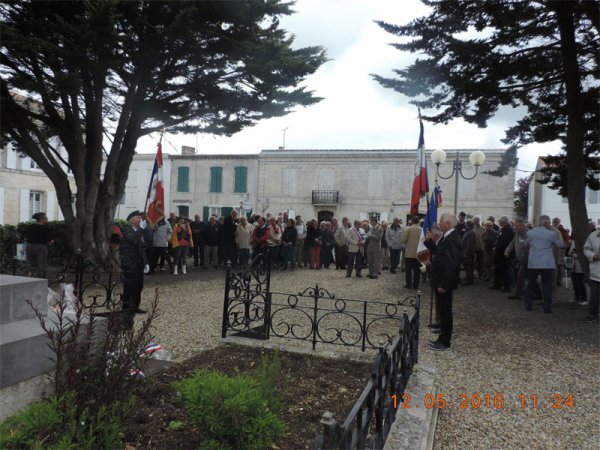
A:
(186, 151)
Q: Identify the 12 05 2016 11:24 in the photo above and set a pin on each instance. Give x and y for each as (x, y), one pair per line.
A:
(476, 400)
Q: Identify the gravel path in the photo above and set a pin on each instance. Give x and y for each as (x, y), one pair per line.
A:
(498, 349)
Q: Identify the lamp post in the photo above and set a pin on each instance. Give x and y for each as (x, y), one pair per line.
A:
(476, 158)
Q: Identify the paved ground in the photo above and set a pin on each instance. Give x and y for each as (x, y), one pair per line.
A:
(500, 352)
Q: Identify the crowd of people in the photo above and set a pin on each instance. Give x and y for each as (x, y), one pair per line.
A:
(527, 262)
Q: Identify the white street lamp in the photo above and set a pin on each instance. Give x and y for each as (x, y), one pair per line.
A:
(476, 158)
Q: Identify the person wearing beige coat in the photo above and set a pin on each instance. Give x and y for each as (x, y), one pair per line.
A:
(243, 240)
(410, 240)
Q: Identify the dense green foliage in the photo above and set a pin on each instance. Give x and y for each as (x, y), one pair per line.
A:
(59, 253)
(538, 58)
(521, 199)
(234, 413)
(56, 424)
(475, 57)
(83, 81)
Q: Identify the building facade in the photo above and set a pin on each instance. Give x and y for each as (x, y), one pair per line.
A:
(313, 183)
(212, 184)
(25, 189)
(316, 183)
(364, 183)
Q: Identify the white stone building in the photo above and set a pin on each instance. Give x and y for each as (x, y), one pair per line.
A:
(211, 184)
(362, 183)
(25, 189)
(543, 200)
(313, 183)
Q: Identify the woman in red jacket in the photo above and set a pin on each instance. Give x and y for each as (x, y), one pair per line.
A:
(181, 241)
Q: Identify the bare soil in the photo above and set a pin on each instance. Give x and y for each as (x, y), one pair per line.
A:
(311, 386)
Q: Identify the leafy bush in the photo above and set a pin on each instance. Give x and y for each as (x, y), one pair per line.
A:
(31, 426)
(60, 249)
(59, 252)
(8, 244)
(56, 424)
(240, 412)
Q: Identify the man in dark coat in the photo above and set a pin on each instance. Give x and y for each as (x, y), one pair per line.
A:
(445, 268)
(227, 238)
(134, 264)
(502, 263)
(461, 226)
(469, 241)
(197, 227)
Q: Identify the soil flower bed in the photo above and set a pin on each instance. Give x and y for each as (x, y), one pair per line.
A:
(311, 386)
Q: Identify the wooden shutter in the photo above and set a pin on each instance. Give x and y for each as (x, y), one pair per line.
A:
(226, 210)
(183, 179)
(205, 214)
(216, 179)
(241, 179)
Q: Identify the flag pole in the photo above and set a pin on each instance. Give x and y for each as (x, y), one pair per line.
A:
(428, 220)
(150, 185)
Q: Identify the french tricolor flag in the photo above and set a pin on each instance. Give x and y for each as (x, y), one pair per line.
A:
(420, 183)
(156, 194)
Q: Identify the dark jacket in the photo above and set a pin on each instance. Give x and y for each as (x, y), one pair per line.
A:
(132, 250)
(327, 239)
(227, 230)
(445, 265)
(37, 233)
(468, 243)
(289, 236)
(313, 236)
(211, 234)
(489, 239)
(461, 228)
(505, 237)
(197, 228)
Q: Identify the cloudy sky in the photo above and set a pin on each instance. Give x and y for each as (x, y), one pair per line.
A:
(356, 111)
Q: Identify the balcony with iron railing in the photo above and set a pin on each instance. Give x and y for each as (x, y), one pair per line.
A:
(325, 197)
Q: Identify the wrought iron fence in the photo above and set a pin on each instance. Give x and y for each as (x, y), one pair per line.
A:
(251, 309)
(325, 197)
(369, 422)
(96, 285)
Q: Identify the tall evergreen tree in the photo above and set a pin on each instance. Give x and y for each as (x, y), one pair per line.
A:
(539, 57)
(100, 71)
(521, 198)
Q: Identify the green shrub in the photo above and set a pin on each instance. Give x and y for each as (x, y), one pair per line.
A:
(31, 426)
(60, 250)
(240, 412)
(54, 424)
(8, 244)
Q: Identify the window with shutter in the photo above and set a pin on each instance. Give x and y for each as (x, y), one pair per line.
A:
(226, 211)
(241, 179)
(326, 181)
(183, 210)
(375, 183)
(35, 202)
(289, 182)
(183, 179)
(216, 179)
(205, 214)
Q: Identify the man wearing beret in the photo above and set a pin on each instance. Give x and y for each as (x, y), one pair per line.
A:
(133, 263)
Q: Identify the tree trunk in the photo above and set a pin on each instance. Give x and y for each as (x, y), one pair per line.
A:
(575, 128)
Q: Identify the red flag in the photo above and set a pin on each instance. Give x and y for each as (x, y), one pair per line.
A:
(420, 183)
(156, 193)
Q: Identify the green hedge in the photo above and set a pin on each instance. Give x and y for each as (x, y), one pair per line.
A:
(58, 252)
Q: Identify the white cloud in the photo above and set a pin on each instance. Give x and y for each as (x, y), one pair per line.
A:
(356, 111)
